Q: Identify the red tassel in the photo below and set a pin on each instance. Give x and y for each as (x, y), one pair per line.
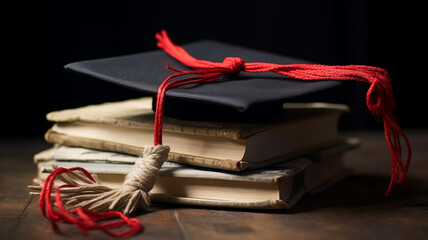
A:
(379, 99)
(84, 219)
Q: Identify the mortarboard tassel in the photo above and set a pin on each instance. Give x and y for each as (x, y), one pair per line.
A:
(93, 202)
(379, 98)
(134, 193)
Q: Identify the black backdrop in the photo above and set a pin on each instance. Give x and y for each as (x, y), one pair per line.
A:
(42, 36)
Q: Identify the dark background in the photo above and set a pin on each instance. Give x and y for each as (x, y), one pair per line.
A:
(42, 36)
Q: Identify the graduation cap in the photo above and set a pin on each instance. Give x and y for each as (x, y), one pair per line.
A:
(215, 81)
(236, 96)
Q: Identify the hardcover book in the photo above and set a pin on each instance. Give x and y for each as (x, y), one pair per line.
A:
(127, 126)
(278, 186)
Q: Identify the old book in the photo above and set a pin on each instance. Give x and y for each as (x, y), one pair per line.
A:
(127, 126)
(279, 186)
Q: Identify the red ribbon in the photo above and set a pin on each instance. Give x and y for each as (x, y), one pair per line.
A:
(379, 99)
(84, 219)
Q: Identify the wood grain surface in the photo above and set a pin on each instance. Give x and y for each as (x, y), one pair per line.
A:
(353, 209)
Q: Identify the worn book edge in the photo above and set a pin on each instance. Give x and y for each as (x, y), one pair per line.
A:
(225, 164)
(137, 113)
(73, 141)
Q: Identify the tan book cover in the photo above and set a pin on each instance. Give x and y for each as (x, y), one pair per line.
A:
(127, 126)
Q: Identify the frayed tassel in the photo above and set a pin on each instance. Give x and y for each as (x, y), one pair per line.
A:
(95, 197)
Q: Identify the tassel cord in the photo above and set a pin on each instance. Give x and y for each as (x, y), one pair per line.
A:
(82, 218)
(379, 98)
(101, 202)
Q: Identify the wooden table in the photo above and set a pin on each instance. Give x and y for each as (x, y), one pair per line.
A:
(353, 209)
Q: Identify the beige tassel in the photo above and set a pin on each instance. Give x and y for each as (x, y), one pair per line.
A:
(133, 195)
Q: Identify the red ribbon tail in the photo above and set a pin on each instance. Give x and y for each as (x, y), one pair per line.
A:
(82, 218)
(393, 133)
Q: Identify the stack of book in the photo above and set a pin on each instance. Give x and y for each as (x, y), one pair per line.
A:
(261, 164)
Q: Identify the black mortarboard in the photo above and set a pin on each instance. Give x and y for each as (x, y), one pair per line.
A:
(247, 95)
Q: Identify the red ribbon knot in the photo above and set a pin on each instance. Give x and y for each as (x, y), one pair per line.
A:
(235, 64)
